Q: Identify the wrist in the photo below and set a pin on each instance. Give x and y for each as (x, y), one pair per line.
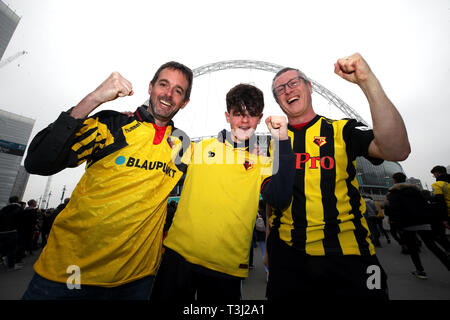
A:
(370, 83)
(85, 107)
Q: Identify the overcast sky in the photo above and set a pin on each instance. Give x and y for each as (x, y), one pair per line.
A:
(74, 45)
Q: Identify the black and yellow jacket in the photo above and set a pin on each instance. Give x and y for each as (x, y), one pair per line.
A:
(441, 191)
(112, 227)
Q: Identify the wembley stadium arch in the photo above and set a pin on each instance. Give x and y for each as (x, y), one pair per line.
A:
(373, 180)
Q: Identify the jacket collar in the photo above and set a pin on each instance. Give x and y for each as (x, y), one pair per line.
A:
(225, 136)
(143, 115)
(444, 177)
(309, 124)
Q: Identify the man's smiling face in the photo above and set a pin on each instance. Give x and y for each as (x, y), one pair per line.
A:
(296, 102)
(167, 95)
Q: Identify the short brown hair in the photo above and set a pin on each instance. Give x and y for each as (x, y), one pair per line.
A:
(180, 67)
(245, 97)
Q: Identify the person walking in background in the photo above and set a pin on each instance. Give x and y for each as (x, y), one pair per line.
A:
(379, 222)
(406, 206)
(111, 230)
(32, 221)
(441, 191)
(438, 219)
(9, 221)
(371, 217)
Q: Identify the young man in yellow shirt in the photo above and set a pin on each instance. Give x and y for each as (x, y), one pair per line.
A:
(207, 247)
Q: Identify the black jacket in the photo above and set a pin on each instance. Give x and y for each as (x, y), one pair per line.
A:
(10, 217)
(406, 206)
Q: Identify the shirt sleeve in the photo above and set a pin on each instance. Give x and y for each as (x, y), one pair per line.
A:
(358, 138)
(277, 189)
(67, 143)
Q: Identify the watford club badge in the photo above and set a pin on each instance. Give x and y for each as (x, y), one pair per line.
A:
(171, 142)
(320, 141)
(248, 165)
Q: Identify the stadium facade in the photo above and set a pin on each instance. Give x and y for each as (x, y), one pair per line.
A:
(15, 131)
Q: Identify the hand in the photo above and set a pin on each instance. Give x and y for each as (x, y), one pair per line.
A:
(353, 68)
(113, 87)
(277, 126)
(129, 114)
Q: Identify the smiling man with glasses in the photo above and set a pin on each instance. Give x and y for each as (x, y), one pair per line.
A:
(293, 83)
(319, 247)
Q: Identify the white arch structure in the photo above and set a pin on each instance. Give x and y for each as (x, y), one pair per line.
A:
(271, 67)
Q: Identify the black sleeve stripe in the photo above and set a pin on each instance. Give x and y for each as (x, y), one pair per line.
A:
(86, 147)
(85, 135)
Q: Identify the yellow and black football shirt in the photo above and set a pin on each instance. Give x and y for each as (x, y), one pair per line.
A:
(216, 214)
(325, 216)
(112, 227)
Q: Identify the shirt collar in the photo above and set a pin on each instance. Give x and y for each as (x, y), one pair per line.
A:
(143, 115)
(249, 144)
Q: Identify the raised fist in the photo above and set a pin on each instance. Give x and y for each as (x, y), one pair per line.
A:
(113, 87)
(277, 126)
(353, 68)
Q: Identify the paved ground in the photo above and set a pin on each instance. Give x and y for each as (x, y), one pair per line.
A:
(402, 285)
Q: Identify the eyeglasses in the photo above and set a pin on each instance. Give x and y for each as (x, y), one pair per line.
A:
(293, 83)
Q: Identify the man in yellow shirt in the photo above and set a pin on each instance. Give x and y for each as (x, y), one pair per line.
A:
(106, 243)
(441, 189)
(207, 247)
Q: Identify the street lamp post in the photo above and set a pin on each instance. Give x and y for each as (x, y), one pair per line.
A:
(48, 199)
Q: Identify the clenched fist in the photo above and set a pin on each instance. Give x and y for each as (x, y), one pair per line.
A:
(113, 87)
(353, 68)
(277, 126)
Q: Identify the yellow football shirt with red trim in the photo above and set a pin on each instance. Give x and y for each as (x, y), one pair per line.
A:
(112, 227)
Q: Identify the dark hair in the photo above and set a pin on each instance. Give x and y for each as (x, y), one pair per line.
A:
(286, 69)
(245, 97)
(31, 202)
(399, 177)
(439, 169)
(14, 199)
(180, 67)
